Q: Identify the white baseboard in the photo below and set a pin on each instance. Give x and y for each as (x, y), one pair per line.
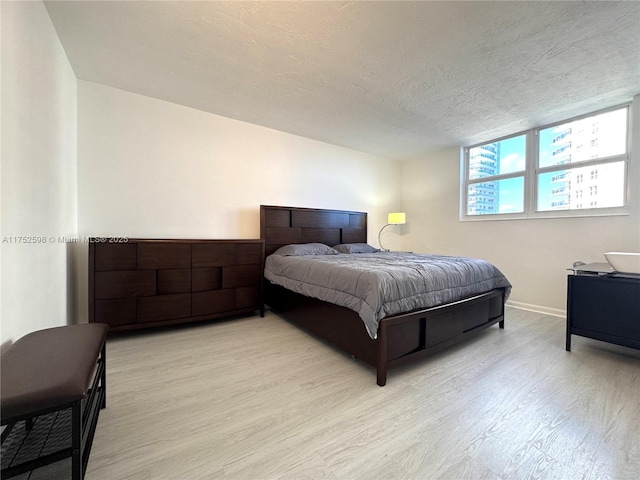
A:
(556, 312)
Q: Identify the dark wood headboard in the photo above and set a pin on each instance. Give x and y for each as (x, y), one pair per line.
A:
(284, 225)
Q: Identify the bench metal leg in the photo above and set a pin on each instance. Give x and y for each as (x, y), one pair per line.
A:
(103, 379)
(76, 441)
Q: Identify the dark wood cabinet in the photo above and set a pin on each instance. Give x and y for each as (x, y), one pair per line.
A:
(144, 283)
(604, 307)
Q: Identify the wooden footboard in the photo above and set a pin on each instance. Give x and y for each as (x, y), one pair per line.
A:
(406, 337)
(401, 338)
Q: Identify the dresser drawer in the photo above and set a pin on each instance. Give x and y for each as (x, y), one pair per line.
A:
(214, 255)
(119, 311)
(215, 301)
(164, 255)
(241, 275)
(164, 307)
(174, 280)
(203, 279)
(116, 256)
(248, 297)
(249, 253)
(126, 283)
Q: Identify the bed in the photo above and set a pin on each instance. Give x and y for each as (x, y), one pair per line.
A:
(389, 336)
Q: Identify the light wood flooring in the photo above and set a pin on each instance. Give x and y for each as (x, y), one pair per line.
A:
(256, 398)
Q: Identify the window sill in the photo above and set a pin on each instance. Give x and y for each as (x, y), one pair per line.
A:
(605, 212)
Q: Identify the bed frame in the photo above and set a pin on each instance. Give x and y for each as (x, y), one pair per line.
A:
(401, 338)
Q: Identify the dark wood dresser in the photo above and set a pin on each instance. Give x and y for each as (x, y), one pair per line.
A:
(140, 283)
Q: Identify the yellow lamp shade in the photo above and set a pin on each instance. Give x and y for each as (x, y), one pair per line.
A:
(396, 218)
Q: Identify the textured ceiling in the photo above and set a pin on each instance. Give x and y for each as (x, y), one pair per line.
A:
(395, 79)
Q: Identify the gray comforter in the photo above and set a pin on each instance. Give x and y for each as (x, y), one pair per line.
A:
(380, 284)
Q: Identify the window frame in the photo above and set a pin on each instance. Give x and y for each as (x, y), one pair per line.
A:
(532, 171)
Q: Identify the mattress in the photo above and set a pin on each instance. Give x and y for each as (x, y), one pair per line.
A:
(377, 285)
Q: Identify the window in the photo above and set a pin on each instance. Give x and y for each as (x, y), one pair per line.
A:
(544, 171)
(504, 163)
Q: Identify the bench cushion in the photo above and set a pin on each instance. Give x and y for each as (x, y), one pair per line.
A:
(49, 368)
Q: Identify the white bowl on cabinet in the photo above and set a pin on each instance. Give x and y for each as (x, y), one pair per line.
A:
(624, 262)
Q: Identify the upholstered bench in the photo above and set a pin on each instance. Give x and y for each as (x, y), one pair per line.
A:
(53, 385)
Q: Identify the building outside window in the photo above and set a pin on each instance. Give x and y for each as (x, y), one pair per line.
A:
(600, 138)
(503, 162)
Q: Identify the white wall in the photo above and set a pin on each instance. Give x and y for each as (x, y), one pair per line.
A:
(152, 169)
(38, 183)
(534, 254)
